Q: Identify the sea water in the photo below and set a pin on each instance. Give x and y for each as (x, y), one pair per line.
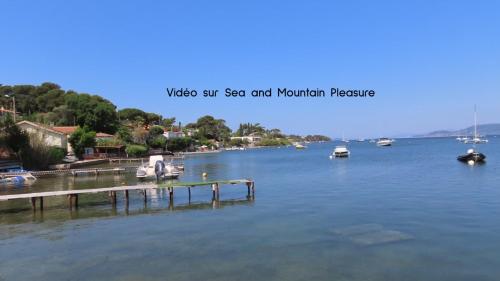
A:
(406, 212)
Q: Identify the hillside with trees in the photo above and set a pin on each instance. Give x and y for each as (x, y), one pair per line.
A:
(139, 131)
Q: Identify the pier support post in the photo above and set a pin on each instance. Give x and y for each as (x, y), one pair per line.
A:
(217, 190)
(145, 196)
(76, 200)
(126, 195)
(213, 191)
(113, 197)
(249, 184)
(253, 188)
(73, 201)
(41, 203)
(33, 203)
(171, 193)
(189, 192)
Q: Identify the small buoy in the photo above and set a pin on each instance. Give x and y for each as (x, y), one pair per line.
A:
(204, 175)
(471, 162)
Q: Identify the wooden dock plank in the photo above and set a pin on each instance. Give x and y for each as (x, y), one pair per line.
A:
(121, 188)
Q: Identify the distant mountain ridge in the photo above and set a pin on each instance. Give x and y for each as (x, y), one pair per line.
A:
(484, 129)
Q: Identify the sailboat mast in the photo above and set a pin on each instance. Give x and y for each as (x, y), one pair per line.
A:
(475, 121)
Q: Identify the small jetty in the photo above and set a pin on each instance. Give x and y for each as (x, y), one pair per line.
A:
(87, 171)
(72, 195)
(132, 160)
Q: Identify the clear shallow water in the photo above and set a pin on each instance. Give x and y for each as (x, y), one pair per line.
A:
(312, 218)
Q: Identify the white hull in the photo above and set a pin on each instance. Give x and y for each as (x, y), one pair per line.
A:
(340, 152)
(150, 170)
(18, 178)
(385, 142)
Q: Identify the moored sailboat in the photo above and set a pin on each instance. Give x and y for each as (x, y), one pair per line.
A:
(472, 156)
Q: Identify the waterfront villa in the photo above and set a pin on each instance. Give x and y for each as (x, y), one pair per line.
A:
(252, 138)
(173, 134)
(52, 136)
(58, 136)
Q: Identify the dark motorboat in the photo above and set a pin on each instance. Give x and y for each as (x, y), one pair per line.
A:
(472, 157)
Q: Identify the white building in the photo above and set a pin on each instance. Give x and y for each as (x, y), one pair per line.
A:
(251, 139)
(173, 135)
(52, 136)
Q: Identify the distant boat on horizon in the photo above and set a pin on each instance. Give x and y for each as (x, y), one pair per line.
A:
(385, 142)
(344, 139)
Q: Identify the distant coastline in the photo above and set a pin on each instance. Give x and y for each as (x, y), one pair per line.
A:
(484, 129)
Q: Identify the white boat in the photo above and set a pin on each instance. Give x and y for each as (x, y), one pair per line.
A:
(344, 139)
(462, 139)
(476, 139)
(340, 151)
(18, 178)
(157, 168)
(70, 158)
(385, 142)
(300, 146)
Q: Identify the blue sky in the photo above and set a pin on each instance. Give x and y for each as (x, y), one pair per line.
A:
(429, 61)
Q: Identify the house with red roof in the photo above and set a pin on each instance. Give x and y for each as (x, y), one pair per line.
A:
(58, 136)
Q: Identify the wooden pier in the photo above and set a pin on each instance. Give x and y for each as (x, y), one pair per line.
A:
(72, 195)
(142, 160)
(76, 172)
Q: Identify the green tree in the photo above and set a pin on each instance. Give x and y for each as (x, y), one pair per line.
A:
(13, 136)
(134, 150)
(167, 122)
(179, 144)
(156, 139)
(131, 114)
(156, 131)
(124, 134)
(80, 139)
(93, 111)
(249, 128)
(211, 128)
(157, 142)
(153, 118)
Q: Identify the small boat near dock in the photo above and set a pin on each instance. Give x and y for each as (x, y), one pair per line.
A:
(17, 178)
(158, 168)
